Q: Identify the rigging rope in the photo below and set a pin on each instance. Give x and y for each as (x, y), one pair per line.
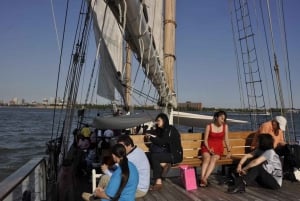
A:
(94, 87)
(239, 74)
(59, 69)
(289, 76)
(55, 26)
(269, 56)
(251, 68)
(287, 69)
(276, 67)
(68, 74)
(141, 45)
(73, 78)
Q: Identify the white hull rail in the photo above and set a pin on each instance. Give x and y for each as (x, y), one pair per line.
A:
(95, 176)
(27, 183)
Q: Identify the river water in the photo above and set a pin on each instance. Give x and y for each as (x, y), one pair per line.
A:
(25, 131)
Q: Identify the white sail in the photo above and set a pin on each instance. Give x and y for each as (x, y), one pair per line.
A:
(155, 22)
(109, 41)
(142, 25)
(144, 46)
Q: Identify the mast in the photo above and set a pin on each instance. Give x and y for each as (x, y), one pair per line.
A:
(169, 50)
(127, 79)
(169, 41)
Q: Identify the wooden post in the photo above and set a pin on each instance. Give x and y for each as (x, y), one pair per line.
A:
(169, 41)
(128, 75)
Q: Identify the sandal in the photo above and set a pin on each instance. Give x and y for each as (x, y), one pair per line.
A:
(156, 187)
(203, 184)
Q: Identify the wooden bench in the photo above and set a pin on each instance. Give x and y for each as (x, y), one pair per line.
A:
(239, 141)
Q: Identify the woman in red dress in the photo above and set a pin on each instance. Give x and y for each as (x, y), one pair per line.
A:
(212, 147)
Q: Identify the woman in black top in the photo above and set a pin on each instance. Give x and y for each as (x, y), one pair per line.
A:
(166, 148)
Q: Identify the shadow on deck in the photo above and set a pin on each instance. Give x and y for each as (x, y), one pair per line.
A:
(217, 190)
(174, 191)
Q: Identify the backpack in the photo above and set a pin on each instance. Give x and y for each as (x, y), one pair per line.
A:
(291, 161)
(175, 146)
(293, 155)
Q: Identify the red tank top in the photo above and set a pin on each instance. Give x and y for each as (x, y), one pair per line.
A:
(215, 141)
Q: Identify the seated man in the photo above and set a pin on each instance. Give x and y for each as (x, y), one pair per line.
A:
(138, 157)
(274, 127)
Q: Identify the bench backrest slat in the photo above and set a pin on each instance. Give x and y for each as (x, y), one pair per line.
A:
(191, 142)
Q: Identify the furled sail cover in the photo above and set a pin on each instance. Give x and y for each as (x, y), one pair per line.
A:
(198, 120)
(109, 41)
(125, 121)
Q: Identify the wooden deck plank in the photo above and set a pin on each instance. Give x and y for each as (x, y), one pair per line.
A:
(217, 190)
(170, 192)
(173, 190)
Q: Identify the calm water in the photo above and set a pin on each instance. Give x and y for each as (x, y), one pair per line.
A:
(25, 131)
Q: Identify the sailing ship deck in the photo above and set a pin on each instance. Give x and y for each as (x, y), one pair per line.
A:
(173, 191)
(72, 188)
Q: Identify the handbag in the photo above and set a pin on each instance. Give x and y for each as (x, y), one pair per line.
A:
(188, 177)
(154, 148)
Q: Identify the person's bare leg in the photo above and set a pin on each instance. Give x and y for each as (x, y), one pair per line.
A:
(211, 167)
(166, 167)
(206, 157)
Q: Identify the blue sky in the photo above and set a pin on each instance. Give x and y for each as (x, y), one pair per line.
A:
(205, 67)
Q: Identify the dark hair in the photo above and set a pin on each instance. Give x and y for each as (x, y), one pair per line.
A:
(120, 151)
(126, 139)
(265, 141)
(164, 118)
(219, 113)
(109, 161)
(160, 131)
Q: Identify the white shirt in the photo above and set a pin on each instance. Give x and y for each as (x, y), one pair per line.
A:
(138, 157)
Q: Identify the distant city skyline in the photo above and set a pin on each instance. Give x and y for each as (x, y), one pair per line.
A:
(19, 100)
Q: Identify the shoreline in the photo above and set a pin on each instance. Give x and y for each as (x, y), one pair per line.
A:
(31, 106)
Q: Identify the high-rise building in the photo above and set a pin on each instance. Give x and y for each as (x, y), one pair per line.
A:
(190, 106)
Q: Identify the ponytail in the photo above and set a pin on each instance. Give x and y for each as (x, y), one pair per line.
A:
(120, 151)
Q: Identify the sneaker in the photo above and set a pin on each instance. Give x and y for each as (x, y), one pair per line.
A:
(86, 196)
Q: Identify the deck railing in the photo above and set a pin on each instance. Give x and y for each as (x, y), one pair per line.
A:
(26, 183)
